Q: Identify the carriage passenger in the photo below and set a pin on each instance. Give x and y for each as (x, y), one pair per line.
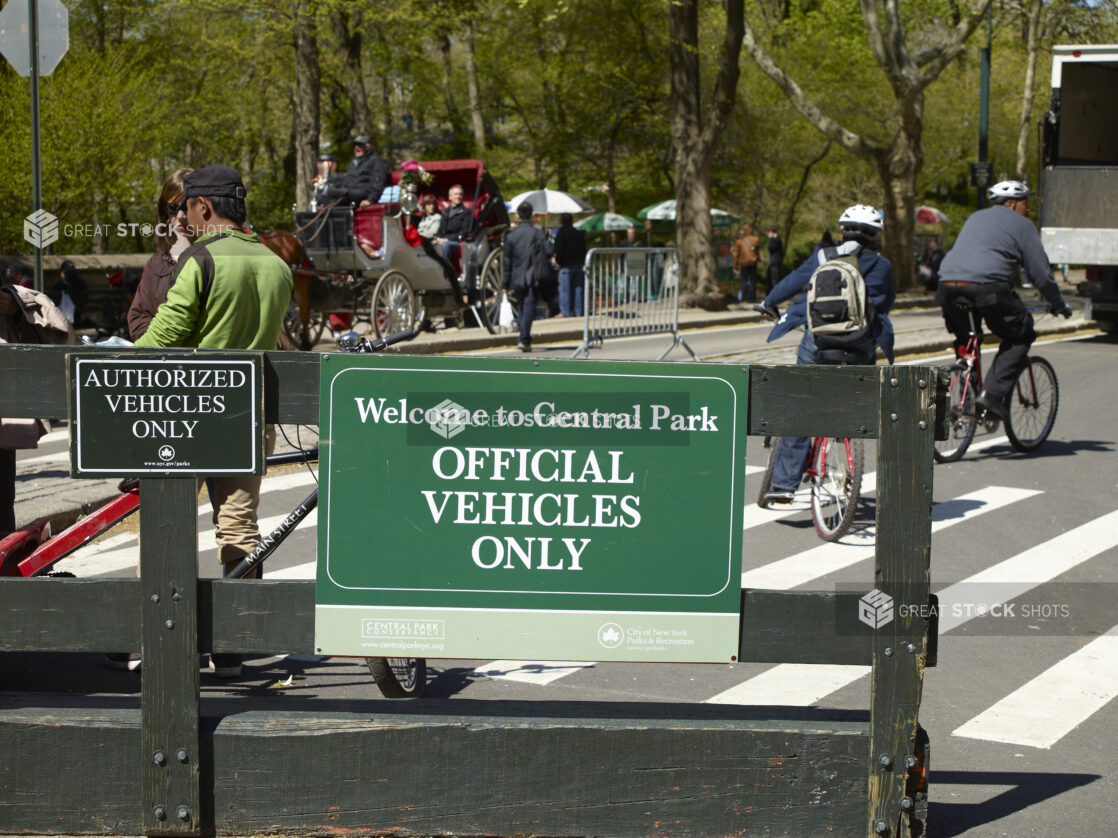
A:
(457, 223)
(429, 224)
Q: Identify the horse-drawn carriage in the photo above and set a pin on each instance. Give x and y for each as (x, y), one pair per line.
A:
(369, 268)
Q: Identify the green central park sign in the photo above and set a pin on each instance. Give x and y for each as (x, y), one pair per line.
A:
(507, 509)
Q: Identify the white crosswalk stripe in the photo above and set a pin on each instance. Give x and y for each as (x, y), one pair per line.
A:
(531, 672)
(1050, 706)
(1025, 571)
(828, 558)
(791, 685)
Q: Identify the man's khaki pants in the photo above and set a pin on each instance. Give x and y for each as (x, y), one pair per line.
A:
(234, 500)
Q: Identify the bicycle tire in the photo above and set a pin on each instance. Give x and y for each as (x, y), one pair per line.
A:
(772, 443)
(1033, 404)
(961, 416)
(836, 487)
(399, 677)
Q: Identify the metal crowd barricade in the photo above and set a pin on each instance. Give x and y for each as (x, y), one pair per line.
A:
(631, 291)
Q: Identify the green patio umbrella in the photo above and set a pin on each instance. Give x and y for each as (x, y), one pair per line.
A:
(665, 211)
(608, 222)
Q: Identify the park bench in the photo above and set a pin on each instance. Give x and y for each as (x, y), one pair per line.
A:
(170, 762)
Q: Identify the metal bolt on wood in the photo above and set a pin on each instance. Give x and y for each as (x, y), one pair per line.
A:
(181, 755)
(911, 649)
(893, 417)
(894, 383)
(889, 652)
(880, 827)
(170, 624)
(184, 813)
(906, 803)
(911, 761)
(155, 598)
(922, 384)
(159, 758)
(923, 425)
(885, 761)
(160, 813)
(176, 596)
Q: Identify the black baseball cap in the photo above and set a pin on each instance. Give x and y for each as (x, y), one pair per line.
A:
(361, 140)
(214, 181)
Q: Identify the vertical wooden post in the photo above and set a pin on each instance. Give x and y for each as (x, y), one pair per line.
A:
(904, 536)
(169, 699)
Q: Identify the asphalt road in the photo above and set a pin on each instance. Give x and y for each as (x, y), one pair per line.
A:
(1020, 709)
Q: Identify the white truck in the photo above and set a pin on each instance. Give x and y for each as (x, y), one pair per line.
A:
(1079, 174)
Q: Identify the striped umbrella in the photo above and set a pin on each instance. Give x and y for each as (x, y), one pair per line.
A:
(608, 222)
(665, 211)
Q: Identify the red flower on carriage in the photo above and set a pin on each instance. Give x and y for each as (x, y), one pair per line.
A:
(411, 173)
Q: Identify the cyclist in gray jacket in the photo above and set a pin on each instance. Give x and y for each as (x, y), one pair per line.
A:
(981, 267)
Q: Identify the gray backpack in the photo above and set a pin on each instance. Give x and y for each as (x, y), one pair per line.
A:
(839, 310)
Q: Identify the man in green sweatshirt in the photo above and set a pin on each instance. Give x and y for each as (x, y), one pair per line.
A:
(229, 291)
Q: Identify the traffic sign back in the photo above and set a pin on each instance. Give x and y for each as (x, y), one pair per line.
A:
(54, 35)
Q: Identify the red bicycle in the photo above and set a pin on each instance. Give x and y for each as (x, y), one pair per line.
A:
(1033, 401)
(834, 471)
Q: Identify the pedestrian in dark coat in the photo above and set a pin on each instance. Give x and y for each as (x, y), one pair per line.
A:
(570, 254)
(526, 247)
(776, 257)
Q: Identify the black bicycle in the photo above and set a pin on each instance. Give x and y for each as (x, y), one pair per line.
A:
(396, 677)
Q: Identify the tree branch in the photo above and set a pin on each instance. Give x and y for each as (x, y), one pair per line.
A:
(725, 87)
(932, 62)
(854, 143)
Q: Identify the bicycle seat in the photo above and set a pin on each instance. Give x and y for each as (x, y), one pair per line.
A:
(843, 356)
(965, 303)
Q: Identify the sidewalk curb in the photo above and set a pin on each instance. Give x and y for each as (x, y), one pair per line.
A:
(551, 331)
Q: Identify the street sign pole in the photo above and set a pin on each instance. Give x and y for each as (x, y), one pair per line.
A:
(36, 183)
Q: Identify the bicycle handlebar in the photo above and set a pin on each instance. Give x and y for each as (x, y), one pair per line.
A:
(767, 312)
(364, 345)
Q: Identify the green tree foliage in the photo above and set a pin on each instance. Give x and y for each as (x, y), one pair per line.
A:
(572, 95)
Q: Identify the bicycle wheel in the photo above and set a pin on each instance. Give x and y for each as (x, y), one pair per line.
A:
(962, 419)
(1032, 405)
(399, 677)
(772, 443)
(836, 486)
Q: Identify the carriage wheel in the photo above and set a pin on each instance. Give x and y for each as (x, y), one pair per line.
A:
(293, 326)
(489, 288)
(394, 307)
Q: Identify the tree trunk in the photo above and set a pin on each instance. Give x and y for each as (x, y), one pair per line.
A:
(388, 148)
(306, 102)
(448, 93)
(694, 140)
(1024, 124)
(899, 241)
(347, 30)
(477, 119)
(898, 177)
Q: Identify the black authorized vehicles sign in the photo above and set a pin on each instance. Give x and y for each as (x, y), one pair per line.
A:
(197, 414)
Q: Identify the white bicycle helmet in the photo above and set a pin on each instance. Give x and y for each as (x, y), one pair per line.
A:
(1008, 190)
(862, 215)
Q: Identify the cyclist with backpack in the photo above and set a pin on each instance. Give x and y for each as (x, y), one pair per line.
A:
(849, 291)
(981, 267)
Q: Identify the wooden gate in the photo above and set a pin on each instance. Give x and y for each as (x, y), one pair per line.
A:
(174, 763)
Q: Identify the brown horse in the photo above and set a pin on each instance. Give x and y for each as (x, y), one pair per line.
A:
(288, 247)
